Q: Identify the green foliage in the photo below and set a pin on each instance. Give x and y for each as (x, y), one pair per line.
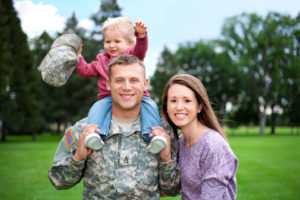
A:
(215, 70)
(201, 59)
(267, 51)
(19, 87)
(108, 8)
(71, 102)
(165, 69)
(252, 68)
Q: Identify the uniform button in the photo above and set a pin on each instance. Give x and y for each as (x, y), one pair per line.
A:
(126, 160)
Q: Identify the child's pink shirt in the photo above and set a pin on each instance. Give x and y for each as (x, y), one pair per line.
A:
(100, 66)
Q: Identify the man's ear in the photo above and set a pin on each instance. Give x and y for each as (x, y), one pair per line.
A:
(108, 85)
(146, 83)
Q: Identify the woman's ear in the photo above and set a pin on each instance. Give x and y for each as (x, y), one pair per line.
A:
(200, 107)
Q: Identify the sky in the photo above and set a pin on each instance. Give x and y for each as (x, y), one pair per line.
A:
(170, 22)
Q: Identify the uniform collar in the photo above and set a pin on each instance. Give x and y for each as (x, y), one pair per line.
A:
(116, 129)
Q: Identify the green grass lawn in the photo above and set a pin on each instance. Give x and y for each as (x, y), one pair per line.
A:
(269, 168)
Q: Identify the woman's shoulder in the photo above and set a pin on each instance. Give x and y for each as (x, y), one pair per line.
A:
(213, 140)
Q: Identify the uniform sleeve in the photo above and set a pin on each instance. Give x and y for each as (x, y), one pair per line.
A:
(218, 166)
(140, 48)
(67, 172)
(87, 70)
(169, 173)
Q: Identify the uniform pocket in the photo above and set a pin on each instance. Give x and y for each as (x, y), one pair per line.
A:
(96, 168)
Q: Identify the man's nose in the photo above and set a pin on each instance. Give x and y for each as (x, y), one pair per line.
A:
(127, 85)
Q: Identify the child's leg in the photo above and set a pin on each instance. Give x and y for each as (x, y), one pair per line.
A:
(100, 114)
(149, 116)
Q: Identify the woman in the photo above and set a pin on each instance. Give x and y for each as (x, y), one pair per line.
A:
(208, 165)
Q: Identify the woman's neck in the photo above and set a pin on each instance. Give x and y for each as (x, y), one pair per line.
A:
(193, 133)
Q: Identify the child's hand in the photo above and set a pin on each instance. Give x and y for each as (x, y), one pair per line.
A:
(78, 53)
(140, 28)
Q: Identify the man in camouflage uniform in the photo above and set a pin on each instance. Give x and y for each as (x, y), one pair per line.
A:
(122, 169)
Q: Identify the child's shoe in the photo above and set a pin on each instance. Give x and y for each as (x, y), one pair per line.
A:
(93, 141)
(157, 144)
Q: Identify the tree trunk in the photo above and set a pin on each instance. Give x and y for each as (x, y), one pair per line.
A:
(262, 122)
(273, 123)
(221, 114)
(58, 127)
(33, 136)
(4, 131)
(65, 125)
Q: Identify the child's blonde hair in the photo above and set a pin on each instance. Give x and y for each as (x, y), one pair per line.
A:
(121, 23)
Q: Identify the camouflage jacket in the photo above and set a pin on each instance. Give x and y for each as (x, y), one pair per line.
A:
(122, 169)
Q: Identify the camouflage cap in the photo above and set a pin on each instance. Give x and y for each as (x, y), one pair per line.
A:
(71, 40)
(59, 63)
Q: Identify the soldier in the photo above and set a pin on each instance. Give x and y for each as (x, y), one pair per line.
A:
(123, 168)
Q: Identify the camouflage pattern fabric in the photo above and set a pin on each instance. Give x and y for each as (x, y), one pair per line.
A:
(59, 63)
(122, 169)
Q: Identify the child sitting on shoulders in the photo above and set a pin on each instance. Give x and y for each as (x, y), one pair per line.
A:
(119, 34)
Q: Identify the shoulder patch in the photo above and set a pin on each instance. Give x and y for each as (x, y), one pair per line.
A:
(69, 137)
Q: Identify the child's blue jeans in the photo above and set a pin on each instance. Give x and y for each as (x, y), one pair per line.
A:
(100, 114)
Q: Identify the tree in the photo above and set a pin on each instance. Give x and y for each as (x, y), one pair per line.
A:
(108, 8)
(291, 102)
(72, 101)
(165, 69)
(215, 69)
(53, 97)
(264, 49)
(201, 59)
(19, 105)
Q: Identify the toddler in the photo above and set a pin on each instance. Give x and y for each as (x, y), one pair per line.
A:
(119, 34)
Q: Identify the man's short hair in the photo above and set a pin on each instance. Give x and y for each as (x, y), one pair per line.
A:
(125, 59)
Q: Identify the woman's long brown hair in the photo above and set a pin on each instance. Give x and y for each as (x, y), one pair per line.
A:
(206, 116)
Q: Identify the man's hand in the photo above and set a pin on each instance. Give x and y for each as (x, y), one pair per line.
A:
(82, 151)
(166, 154)
(140, 28)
